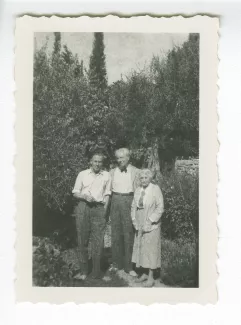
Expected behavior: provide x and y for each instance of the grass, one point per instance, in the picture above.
(179, 264)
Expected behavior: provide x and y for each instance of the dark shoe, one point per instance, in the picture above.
(143, 278)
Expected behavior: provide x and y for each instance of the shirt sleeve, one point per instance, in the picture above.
(78, 183)
(108, 186)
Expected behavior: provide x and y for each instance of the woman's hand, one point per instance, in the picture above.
(147, 225)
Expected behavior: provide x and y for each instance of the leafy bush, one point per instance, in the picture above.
(179, 263)
(72, 114)
(49, 268)
(181, 197)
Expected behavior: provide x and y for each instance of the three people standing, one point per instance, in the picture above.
(134, 216)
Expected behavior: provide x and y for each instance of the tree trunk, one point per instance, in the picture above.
(153, 162)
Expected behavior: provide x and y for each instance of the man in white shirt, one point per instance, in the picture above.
(92, 189)
(125, 179)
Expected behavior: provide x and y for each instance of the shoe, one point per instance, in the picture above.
(143, 278)
(113, 268)
(133, 273)
(80, 276)
(106, 278)
(121, 272)
(149, 284)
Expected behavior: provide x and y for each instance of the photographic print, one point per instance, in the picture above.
(115, 186)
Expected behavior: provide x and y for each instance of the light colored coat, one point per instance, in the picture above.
(134, 176)
(153, 208)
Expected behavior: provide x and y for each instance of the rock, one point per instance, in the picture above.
(190, 166)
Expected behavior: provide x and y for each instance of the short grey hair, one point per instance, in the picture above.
(124, 151)
(147, 172)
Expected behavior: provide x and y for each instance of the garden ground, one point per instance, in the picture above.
(55, 266)
(110, 279)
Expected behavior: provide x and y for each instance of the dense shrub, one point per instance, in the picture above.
(181, 196)
(157, 106)
(49, 268)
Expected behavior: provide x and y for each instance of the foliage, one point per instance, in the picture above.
(160, 104)
(97, 68)
(53, 267)
(181, 216)
(49, 268)
(179, 266)
(153, 111)
(69, 119)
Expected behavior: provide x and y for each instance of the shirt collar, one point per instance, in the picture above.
(91, 172)
(147, 188)
(128, 168)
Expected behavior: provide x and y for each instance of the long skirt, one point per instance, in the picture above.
(147, 248)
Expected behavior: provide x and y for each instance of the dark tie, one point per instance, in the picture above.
(141, 204)
(124, 170)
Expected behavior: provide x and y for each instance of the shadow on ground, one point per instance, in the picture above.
(110, 279)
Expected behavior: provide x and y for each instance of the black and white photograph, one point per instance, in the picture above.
(115, 159)
(116, 135)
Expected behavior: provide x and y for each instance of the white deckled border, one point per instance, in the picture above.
(208, 29)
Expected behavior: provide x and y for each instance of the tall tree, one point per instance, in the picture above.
(57, 43)
(82, 68)
(97, 66)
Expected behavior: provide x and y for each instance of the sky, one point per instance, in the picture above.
(124, 51)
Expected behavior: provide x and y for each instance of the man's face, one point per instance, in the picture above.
(96, 163)
(122, 160)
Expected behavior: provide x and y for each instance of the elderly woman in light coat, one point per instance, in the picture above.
(146, 211)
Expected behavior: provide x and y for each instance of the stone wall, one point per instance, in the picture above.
(190, 166)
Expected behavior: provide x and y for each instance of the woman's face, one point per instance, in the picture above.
(145, 180)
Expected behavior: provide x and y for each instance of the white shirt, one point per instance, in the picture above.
(96, 185)
(122, 182)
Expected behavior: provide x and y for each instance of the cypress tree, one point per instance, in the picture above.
(97, 65)
(57, 43)
(82, 68)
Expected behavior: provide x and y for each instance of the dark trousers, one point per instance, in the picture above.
(122, 232)
(90, 226)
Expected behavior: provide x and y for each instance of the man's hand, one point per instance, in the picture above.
(88, 198)
(85, 197)
(78, 196)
